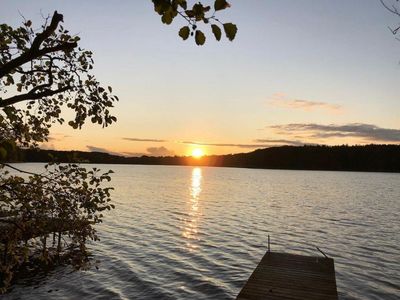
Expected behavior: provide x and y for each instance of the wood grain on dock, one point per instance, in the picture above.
(291, 276)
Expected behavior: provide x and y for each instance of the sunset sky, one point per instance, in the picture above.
(315, 72)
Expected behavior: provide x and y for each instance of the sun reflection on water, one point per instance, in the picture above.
(191, 224)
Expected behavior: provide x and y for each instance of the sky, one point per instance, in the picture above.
(298, 72)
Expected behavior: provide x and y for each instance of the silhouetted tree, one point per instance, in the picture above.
(40, 73)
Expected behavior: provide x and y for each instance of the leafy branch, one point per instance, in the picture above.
(198, 13)
(47, 70)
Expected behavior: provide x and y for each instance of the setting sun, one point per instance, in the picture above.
(197, 153)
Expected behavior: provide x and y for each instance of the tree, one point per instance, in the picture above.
(199, 13)
(48, 70)
(40, 73)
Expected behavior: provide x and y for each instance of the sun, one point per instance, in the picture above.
(197, 153)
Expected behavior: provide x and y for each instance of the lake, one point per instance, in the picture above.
(198, 233)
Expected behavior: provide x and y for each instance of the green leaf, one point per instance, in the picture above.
(160, 6)
(184, 32)
(230, 30)
(217, 32)
(182, 3)
(167, 18)
(220, 4)
(198, 10)
(73, 124)
(200, 38)
(189, 13)
(10, 79)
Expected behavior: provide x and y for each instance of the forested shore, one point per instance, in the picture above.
(369, 158)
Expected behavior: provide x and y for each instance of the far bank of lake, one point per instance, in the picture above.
(367, 158)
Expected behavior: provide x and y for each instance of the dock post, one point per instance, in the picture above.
(269, 249)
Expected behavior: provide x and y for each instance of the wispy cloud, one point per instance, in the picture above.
(58, 137)
(281, 142)
(48, 146)
(99, 149)
(260, 143)
(368, 132)
(281, 100)
(160, 151)
(224, 144)
(257, 144)
(133, 154)
(144, 140)
(151, 151)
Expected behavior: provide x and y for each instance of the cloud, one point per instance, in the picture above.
(225, 145)
(261, 143)
(281, 100)
(281, 142)
(144, 140)
(48, 146)
(368, 132)
(133, 154)
(58, 137)
(103, 150)
(97, 149)
(151, 151)
(239, 145)
(160, 151)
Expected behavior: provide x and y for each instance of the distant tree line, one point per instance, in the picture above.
(370, 158)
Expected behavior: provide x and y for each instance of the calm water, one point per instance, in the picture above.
(198, 233)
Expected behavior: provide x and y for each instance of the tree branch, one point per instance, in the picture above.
(57, 18)
(30, 55)
(32, 96)
(17, 169)
(392, 9)
(35, 51)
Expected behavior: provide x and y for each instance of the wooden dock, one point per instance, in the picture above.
(289, 276)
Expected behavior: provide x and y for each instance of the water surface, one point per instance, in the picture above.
(198, 233)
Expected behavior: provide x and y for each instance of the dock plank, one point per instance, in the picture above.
(291, 277)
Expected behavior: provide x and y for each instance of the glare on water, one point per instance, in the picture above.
(198, 233)
(190, 230)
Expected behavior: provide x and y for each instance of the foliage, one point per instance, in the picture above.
(40, 73)
(198, 13)
(65, 202)
(47, 70)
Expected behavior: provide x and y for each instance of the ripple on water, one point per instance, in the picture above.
(198, 233)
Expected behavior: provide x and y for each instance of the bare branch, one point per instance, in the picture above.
(57, 18)
(17, 169)
(392, 9)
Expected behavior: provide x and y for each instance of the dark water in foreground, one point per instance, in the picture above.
(198, 233)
